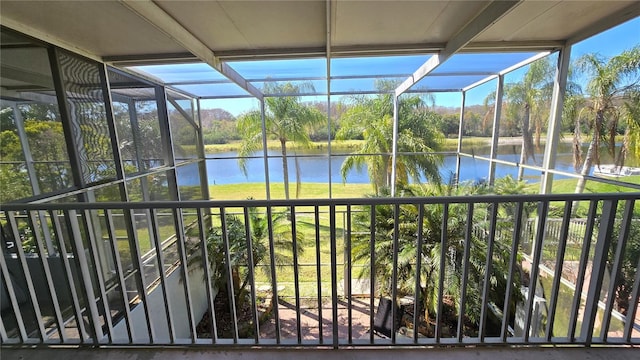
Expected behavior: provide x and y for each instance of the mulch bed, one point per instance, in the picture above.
(224, 320)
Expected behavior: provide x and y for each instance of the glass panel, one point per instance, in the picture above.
(503, 170)
(220, 127)
(285, 70)
(172, 73)
(188, 177)
(366, 85)
(444, 83)
(109, 193)
(214, 90)
(620, 103)
(88, 118)
(402, 66)
(487, 63)
(354, 180)
(158, 187)
(525, 114)
(27, 88)
(14, 181)
(478, 119)
(136, 118)
(181, 121)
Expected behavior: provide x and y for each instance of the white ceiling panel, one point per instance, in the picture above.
(242, 25)
(551, 20)
(103, 28)
(399, 22)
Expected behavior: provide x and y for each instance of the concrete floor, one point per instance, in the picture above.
(485, 353)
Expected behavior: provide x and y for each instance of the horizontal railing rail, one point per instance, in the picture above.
(462, 270)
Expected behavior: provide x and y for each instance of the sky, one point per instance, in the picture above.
(607, 44)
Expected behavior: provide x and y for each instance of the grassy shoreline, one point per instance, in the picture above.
(448, 144)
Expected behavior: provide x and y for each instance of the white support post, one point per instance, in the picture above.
(460, 131)
(265, 153)
(555, 119)
(394, 145)
(496, 129)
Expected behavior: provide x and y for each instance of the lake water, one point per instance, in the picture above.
(314, 167)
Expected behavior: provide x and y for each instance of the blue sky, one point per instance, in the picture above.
(607, 44)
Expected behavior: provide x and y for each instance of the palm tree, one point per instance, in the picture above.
(631, 116)
(611, 83)
(431, 251)
(286, 119)
(236, 236)
(372, 118)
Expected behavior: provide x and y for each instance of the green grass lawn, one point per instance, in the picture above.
(307, 191)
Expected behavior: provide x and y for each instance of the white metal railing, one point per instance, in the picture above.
(454, 269)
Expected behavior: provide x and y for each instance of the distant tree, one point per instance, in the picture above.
(450, 124)
(287, 119)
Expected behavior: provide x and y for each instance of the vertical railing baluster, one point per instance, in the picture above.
(230, 285)
(515, 243)
(82, 332)
(316, 214)
(155, 234)
(394, 273)
(138, 266)
(418, 300)
(630, 322)
(543, 207)
(296, 269)
(97, 263)
(598, 269)
(442, 270)
(206, 267)
(486, 287)
(113, 240)
(623, 236)
(10, 284)
(557, 275)
(465, 271)
(251, 279)
(274, 282)
(27, 275)
(44, 262)
(348, 280)
(4, 337)
(334, 274)
(181, 243)
(372, 270)
(582, 269)
(84, 274)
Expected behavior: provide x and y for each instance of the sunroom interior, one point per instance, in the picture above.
(117, 169)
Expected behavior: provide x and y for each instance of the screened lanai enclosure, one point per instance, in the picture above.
(314, 173)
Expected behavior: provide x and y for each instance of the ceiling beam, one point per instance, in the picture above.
(492, 13)
(25, 76)
(157, 17)
(336, 52)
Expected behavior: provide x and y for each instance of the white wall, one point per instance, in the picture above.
(175, 288)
